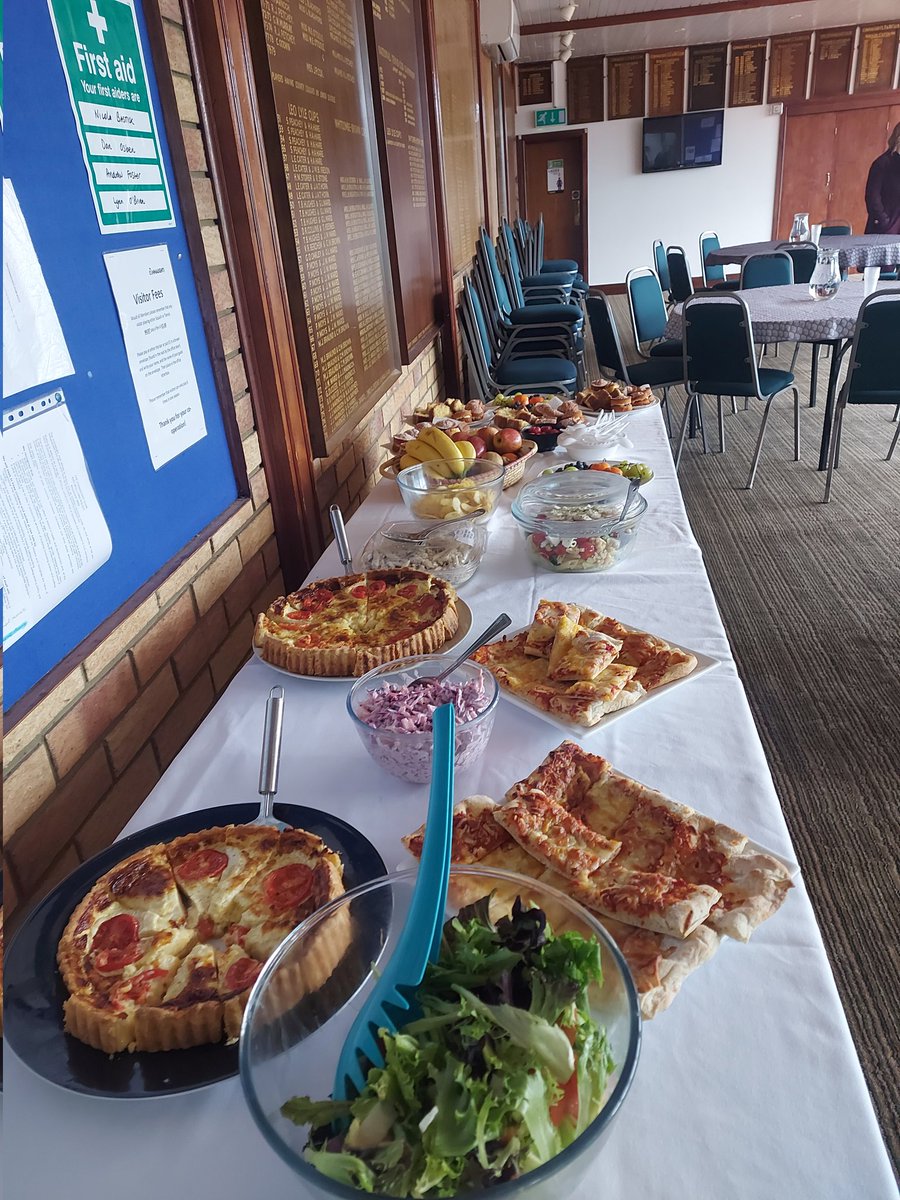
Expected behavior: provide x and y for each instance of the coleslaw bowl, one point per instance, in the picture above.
(292, 1034)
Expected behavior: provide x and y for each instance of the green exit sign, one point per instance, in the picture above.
(550, 116)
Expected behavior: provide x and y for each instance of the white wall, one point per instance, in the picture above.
(627, 210)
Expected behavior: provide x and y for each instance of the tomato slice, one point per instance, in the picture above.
(117, 933)
(137, 987)
(566, 1107)
(288, 886)
(111, 962)
(408, 590)
(359, 592)
(203, 864)
(241, 974)
(376, 587)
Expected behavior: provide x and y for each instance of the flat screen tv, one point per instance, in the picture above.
(682, 142)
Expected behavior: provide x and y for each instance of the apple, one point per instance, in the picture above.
(478, 445)
(488, 432)
(510, 458)
(507, 441)
(460, 435)
(491, 457)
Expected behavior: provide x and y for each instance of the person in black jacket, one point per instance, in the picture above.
(883, 189)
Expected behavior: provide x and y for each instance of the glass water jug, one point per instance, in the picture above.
(826, 278)
(800, 228)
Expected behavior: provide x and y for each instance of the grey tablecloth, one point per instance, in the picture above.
(789, 314)
(857, 250)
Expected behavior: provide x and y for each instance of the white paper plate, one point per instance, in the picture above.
(465, 624)
(704, 664)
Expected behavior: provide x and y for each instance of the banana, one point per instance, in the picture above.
(445, 448)
(421, 451)
(407, 460)
(467, 449)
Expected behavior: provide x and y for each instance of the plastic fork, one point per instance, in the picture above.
(392, 999)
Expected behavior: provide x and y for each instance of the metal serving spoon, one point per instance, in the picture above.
(340, 536)
(495, 626)
(633, 485)
(419, 535)
(270, 759)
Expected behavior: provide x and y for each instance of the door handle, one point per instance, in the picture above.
(828, 179)
(577, 217)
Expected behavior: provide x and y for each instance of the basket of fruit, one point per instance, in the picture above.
(503, 447)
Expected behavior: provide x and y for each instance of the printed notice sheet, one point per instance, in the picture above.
(34, 349)
(53, 535)
(159, 355)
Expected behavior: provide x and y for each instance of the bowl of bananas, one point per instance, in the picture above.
(440, 488)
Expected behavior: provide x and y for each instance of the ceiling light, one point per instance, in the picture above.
(567, 38)
(566, 54)
(567, 11)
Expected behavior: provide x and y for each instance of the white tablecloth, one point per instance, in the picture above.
(788, 313)
(854, 250)
(748, 1087)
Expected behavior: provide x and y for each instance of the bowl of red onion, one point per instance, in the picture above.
(393, 718)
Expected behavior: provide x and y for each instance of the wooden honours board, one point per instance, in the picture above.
(706, 77)
(831, 62)
(877, 55)
(584, 90)
(788, 66)
(666, 83)
(748, 72)
(535, 83)
(325, 156)
(397, 58)
(625, 81)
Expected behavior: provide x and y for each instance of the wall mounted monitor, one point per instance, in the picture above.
(682, 142)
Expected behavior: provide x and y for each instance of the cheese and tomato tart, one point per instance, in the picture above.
(162, 951)
(352, 623)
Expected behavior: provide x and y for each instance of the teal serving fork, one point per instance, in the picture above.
(392, 999)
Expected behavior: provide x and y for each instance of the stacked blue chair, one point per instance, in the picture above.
(561, 265)
(655, 372)
(873, 375)
(547, 286)
(714, 276)
(492, 373)
(648, 315)
(520, 331)
(720, 360)
(661, 262)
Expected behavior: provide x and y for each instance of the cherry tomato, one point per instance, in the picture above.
(117, 933)
(203, 864)
(241, 974)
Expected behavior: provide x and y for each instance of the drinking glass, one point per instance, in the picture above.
(826, 278)
(800, 228)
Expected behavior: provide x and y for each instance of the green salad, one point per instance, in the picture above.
(503, 1069)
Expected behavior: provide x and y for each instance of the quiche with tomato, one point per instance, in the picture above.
(163, 950)
(352, 623)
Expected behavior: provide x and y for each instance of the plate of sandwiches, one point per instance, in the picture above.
(667, 882)
(579, 669)
(130, 978)
(340, 628)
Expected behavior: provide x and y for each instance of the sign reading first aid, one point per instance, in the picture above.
(103, 62)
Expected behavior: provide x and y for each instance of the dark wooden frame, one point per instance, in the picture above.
(587, 62)
(825, 104)
(851, 29)
(658, 14)
(217, 38)
(562, 134)
(534, 66)
(659, 51)
(862, 33)
(159, 56)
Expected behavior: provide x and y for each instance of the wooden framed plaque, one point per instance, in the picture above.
(323, 164)
(397, 60)
(666, 83)
(831, 61)
(788, 66)
(748, 73)
(625, 80)
(535, 83)
(706, 77)
(584, 90)
(877, 57)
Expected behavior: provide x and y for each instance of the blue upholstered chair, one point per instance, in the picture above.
(837, 229)
(803, 256)
(873, 373)
(648, 315)
(713, 276)
(543, 288)
(720, 360)
(767, 270)
(681, 283)
(662, 270)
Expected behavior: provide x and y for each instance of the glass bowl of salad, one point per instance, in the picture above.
(521, 1048)
(393, 718)
(570, 521)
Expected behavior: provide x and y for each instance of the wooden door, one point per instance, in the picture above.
(808, 167)
(861, 136)
(555, 186)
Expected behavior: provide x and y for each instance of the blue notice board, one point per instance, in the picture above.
(151, 514)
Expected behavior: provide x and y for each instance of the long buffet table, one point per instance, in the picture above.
(748, 1086)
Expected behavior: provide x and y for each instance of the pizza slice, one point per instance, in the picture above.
(198, 862)
(542, 630)
(582, 705)
(647, 899)
(144, 884)
(659, 964)
(237, 973)
(554, 836)
(754, 886)
(249, 850)
(655, 660)
(580, 653)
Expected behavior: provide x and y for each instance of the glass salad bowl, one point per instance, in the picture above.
(431, 490)
(309, 992)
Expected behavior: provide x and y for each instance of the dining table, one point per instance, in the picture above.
(788, 313)
(857, 250)
(747, 1087)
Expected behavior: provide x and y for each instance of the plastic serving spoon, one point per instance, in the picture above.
(270, 759)
(391, 1000)
(495, 626)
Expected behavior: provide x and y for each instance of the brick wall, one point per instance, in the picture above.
(81, 762)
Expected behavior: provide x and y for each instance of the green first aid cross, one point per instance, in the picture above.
(103, 62)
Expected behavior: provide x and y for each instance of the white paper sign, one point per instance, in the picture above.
(53, 535)
(555, 174)
(158, 352)
(34, 349)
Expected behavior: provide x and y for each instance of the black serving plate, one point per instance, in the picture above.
(34, 992)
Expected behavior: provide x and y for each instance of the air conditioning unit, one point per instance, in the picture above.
(500, 30)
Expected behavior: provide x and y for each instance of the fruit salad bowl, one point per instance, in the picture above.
(435, 491)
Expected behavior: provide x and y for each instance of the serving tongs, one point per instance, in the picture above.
(392, 999)
(340, 536)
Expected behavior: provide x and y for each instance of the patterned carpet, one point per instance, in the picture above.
(810, 596)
